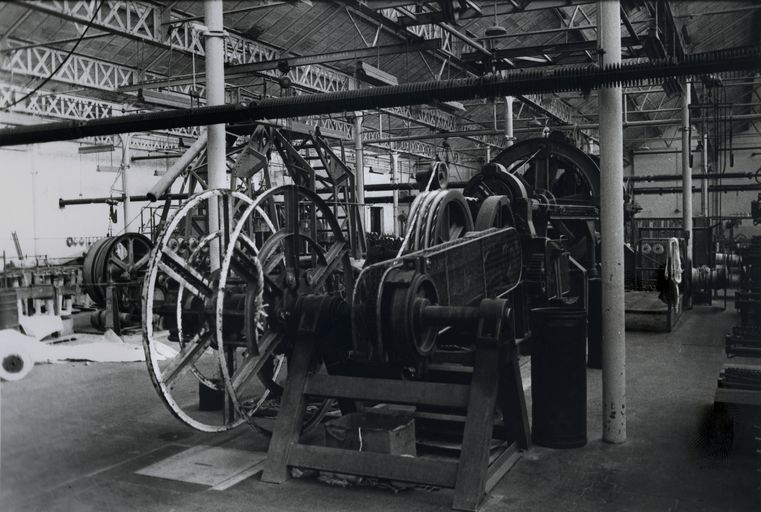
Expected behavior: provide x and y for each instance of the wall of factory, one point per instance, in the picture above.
(377, 171)
(670, 205)
(34, 177)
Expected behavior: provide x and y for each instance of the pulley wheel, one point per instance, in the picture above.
(410, 342)
(495, 212)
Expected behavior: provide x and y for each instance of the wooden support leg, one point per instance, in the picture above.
(289, 419)
(513, 404)
(474, 460)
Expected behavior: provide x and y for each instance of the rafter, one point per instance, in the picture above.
(142, 21)
(146, 22)
(245, 70)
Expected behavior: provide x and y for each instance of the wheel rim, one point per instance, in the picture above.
(279, 279)
(176, 379)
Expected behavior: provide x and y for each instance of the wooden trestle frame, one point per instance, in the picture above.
(495, 381)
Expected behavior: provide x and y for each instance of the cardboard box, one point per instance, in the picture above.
(373, 432)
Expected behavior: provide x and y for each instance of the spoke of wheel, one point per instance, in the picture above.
(142, 261)
(244, 264)
(116, 260)
(187, 357)
(272, 263)
(332, 261)
(181, 271)
(227, 208)
(253, 364)
(130, 251)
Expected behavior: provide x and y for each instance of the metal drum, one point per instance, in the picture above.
(559, 378)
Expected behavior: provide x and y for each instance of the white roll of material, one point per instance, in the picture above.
(15, 360)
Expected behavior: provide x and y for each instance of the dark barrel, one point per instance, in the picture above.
(210, 399)
(594, 334)
(559, 378)
(8, 309)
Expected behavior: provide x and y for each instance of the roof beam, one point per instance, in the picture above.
(80, 70)
(536, 5)
(551, 106)
(509, 53)
(555, 108)
(245, 70)
(408, 19)
(387, 22)
(260, 4)
(65, 106)
(141, 21)
(559, 114)
(57, 41)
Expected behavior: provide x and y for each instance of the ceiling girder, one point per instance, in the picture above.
(142, 21)
(509, 53)
(245, 70)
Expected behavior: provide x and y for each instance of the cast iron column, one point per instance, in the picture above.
(215, 95)
(704, 185)
(359, 164)
(612, 230)
(395, 193)
(124, 168)
(686, 170)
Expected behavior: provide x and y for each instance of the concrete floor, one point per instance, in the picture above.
(73, 436)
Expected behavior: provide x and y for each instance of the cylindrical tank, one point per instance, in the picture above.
(594, 329)
(559, 378)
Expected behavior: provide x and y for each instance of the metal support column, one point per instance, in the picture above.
(686, 170)
(395, 180)
(704, 186)
(612, 230)
(509, 134)
(215, 95)
(124, 168)
(359, 165)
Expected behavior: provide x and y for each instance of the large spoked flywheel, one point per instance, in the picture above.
(553, 176)
(554, 167)
(306, 255)
(180, 333)
(120, 261)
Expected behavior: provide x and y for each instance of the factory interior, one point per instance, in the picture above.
(430, 255)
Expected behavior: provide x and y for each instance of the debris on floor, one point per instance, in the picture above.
(40, 326)
(24, 351)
